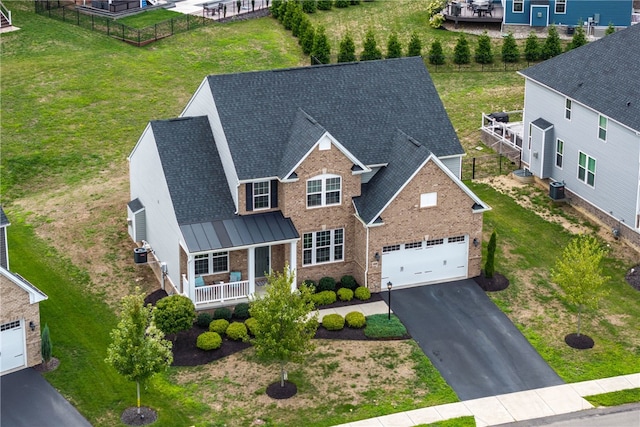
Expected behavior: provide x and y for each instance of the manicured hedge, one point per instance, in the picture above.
(324, 298)
(209, 341)
(220, 326)
(345, 294)
(362, 293)
(355, 319)
(333, 322)
(237, 331)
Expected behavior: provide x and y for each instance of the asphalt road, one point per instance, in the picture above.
(476, 348)
(617, 416)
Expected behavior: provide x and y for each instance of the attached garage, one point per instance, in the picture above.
(12, 346)
(425, 262)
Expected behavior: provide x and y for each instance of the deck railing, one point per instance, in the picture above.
(509, 133)
(222, 292)
(6, 12)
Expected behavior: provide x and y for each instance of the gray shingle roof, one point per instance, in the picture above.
(405, 156)
(604, 75)
(135, 205)
(361, 104)
(193, 170)
(305, 131)
(4, 221)
(541, 123)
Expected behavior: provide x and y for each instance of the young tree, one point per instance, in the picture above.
(45, 345)
(579, 274)
(174, 313)
(347, 49)
(370, 49)
(306, 39)
(610, 29)
(510, 51)
(579, 38)
(415, 45)
(303, 25)
(484, 55)
(532, 48)
(321, 52)
(461, 53)
(551, 46)
(277, 9)
(309, 6)
(489, 266)
(138, 349)
(394, 48)
(325, 4)
(342, 3)
(436, 55)
(285, 323)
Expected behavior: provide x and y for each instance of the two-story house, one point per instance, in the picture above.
(346, 169)
(582, 127)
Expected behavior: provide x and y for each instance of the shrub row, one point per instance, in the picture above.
(344, 294)
(335, 322)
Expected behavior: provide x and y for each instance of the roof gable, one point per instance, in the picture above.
(603, 75)
(35, 294)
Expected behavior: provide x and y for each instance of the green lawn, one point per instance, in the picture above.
(148, 18)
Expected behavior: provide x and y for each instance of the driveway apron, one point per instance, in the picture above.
(28, 400)
(473, 344)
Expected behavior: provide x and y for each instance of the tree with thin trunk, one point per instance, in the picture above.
(579, 274)
(551, 46)
(138, 349)
(436, 54)
(579, 38)
(321, 52)
(484, 54)
(285, 323)
(532, 48)
(415, 45)
(370, 50)
(461, 52)
(510, 51)
(394, 48)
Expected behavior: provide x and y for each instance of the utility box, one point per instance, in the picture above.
(556, 190)
(140, 255)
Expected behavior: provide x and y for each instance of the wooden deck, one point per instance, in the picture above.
(467, 14)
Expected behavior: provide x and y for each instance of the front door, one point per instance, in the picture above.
(262, 265)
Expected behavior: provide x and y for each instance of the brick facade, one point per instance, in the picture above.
(15, 306)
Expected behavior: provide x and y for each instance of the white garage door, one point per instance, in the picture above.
(431, 261)
(12, 344)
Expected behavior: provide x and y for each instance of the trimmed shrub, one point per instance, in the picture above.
(309, 6)
(326, 284)
(219, 326)
(174, 313)
(345, 294)
(532, 48)
(324, 4)
(222, 313)
(324, 298)
(252, 325)
(348, 281)
(241, 311)
(415, 45)
(462, 52)
(484, 54)
(321, 51)
(370, 50)
(510, 50)
(46, 348)
(379, 326)
(204, 319)
(312, 284)
(355, 319)
(436, 54)
(209, 341)
(362, 293)
(237, 331)
(333, 322)
(342, 3)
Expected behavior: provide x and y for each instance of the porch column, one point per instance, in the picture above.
(191, 288)
(292, 263)
(251, 269)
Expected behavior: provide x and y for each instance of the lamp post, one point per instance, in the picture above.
(389, 286)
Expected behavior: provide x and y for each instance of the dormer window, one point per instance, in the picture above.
(324, 190)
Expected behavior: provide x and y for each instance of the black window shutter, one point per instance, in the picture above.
(274, 193)
(249, 189)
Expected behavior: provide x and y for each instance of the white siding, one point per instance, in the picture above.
(454, 164)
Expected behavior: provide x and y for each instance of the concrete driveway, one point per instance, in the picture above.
(476, 348)
(28, 400)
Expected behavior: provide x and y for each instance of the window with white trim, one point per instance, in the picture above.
(324, 190)
(567, 109)
(602, 127)
(586, 169)
(455, 239)
(529, 136)
(559, 152)
(561, 6)
(261, 195)
(324, 246)
(216, 262)
(390, 248)
(518, 6)
(11, 325)
(413, 245)
(428, 200)
(434, 242)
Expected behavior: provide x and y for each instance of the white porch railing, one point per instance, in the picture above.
(509, 133)
(222, 292)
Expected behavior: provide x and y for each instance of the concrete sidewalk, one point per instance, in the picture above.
(506, 408)
(368, 308)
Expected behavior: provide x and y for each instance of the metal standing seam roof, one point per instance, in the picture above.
(246, 230)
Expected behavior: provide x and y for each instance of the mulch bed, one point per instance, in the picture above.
(131, 417)
(48, 367)
(497, 283)
(580, 342)
(275, 391)
(633, 277)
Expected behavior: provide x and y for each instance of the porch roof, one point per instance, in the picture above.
(245, 230)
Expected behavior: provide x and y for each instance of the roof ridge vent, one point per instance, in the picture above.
(414, 142)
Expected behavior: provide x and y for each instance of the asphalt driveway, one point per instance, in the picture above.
(28, 400)
(473, 344)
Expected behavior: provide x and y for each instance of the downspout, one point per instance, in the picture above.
(366, 269)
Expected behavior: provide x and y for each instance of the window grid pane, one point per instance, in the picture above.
(323, 246)
(201, 264)
(220, 262)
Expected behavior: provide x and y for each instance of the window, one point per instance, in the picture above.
(518, 6)
(261, 195)
(529, 136)
(561, 6)
(559, 152)
(324, 191)
(586, 169)
(11, 325)
(390, 248)
(455, 239)
(435, 242)
(567, 109)
(413, 245)
(323, 246)
(602, 128)
(428, 200)
(217, 262)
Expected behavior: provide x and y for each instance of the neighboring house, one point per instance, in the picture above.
(582, 127)
(346, 169)
(541, 13)
(20, 314)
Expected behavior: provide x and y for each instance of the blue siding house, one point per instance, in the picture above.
(582, 128)
(541, 13)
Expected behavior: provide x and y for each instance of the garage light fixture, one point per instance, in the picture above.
(476, 243)
(377, 256)
(32, 325)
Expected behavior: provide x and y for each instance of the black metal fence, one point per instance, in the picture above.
(68, 12)
(489, 165)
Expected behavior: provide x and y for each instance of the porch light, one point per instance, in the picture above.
(32, 325)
